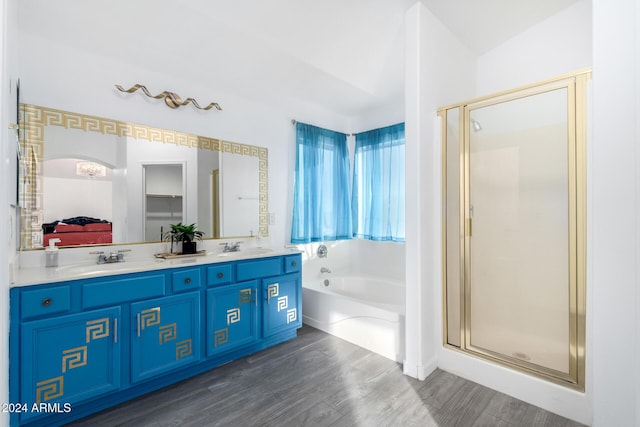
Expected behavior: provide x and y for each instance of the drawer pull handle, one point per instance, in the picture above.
(46, 302)
(187, 280)
(294, 263)
(220, 275)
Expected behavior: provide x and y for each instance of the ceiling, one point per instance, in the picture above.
(344, 55)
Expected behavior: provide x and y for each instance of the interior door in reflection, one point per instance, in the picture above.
(163, 199)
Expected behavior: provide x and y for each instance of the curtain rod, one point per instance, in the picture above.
(294, 121)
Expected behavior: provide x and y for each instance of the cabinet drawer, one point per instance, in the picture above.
(122, 290)
(185, 280)
(292, 263)
(262, 268)
(219, 274)
(42, 302)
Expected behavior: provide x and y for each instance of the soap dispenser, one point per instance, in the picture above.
(51, 254)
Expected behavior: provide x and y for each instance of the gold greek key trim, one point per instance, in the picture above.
(221, 336)
(97, 329)
(184, 348)
(283, 303)
(31, 139)
(167, 333)
(292, 315)
(149, 317)
(233, 316)
(244, 296)
(49, 389)
(74, 358)
(273, 290)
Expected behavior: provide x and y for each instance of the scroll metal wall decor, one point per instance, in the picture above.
(172, 100)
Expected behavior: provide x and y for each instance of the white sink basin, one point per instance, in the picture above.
(84, 269)
(246, 253)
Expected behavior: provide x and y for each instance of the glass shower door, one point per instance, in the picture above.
(520, 239)
(514, 228)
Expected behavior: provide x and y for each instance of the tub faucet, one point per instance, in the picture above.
(324, 270)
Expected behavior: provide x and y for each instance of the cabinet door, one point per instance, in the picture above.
(70, 358)
(282, 304)
(165, 336)
(232, 318)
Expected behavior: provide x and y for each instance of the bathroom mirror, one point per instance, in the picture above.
(119, 182)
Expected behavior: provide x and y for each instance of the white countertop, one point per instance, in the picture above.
(83, 270)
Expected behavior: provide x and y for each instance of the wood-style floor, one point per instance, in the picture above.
(320, 380)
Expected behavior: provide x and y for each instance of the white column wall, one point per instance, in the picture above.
(614, 213)
(439, 71)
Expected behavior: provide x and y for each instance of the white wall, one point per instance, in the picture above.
(555, 46)
(62, 201)
(78, 144)
(356, 257)
(615, 219)
(239, 196)
(439, 71)
(560, 44)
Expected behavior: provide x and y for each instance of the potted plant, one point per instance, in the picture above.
(187, 234)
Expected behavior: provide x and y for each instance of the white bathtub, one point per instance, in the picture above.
(366, 311)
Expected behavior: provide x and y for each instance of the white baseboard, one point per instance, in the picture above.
(420, 372)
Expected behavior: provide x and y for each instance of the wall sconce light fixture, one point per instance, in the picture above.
(172, 100)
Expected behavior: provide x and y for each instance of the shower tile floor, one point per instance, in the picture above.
(320, 380)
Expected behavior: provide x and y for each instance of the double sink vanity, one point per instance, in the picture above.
(85, 337)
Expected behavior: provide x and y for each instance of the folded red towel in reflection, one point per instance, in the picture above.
(68, 228)
(98, 226)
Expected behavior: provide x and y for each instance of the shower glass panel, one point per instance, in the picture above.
(452, 205)
(519, 254)
(514, 235)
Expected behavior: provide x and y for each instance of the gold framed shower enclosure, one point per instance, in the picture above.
(514, 228)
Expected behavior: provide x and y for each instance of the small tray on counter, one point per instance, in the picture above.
(168, 255)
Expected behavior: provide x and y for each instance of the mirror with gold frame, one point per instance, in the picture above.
(92, 181)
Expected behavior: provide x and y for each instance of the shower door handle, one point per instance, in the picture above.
(469, 227)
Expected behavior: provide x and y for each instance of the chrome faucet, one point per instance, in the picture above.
(231, 247)
(113, 257)
(324, 270)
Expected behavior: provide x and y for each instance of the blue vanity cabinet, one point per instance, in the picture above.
(95, 342)
(232, 316)
(165, 335)
(70, 358)
(282, 304)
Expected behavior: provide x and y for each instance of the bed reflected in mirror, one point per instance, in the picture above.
(77, 220)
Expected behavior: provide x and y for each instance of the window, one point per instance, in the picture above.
(321, 209)
(378, 184)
